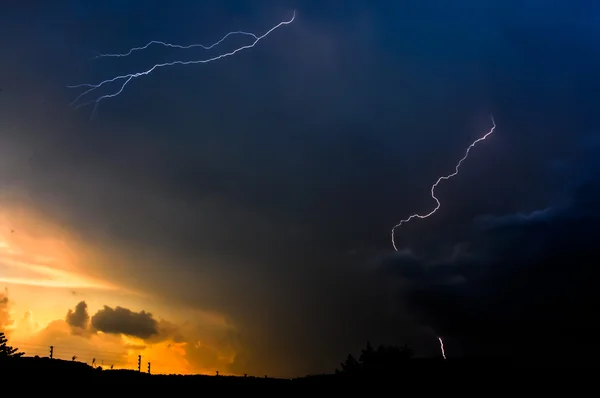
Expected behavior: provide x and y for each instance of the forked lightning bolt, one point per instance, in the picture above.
(434, 186)
(125, 79)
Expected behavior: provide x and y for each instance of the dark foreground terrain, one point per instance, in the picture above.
(427, 375)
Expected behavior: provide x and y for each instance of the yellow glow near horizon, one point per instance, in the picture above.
(32, 252)
(47, 272)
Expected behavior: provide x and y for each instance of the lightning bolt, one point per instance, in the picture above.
(125, 79)
(164, 44)
(434, 186)
(442, 347)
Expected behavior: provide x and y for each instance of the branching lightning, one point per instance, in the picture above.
(125, 79)
(434, 186)
(162, 43)
(442, 347)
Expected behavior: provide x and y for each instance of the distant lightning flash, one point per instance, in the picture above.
(442, 347)
(434, 186)
(125, 79)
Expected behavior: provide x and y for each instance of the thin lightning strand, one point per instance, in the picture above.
(162, 43)
(442, 347)
(434, 186)
(129, 77)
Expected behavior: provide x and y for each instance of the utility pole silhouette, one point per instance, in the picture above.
(51, 351)
(139, 363)
(148, 367)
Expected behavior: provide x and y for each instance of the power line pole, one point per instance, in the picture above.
(139, 363)
(148, 367)
(51, 351)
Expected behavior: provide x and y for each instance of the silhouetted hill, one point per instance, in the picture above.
(428, 374)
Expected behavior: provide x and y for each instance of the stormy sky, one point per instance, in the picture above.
(263, 186)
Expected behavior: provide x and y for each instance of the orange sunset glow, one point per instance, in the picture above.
(53, 299)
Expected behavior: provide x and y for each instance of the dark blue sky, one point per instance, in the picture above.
(270, 180)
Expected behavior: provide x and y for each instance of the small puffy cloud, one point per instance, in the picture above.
(27, 325)
(121, 320)
(79, 318)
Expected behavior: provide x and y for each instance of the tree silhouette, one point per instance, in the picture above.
(351, 365)
(384, 359)
(7, 351)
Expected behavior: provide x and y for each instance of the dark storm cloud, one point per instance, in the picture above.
(523, 283)
(242, 186)
(79, 318)
(121, 320)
